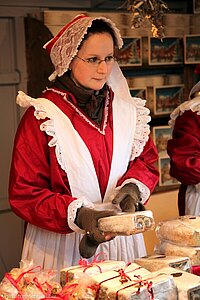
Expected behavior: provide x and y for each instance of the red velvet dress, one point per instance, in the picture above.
(40, 191)
(184, 151)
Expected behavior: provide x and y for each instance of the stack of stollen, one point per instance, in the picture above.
(180, 237)
(130, 282)
(134, 281)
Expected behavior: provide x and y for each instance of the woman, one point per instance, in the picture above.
(184, 152)
(82, 151)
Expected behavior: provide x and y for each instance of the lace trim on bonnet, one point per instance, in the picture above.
(66, 47)
(193, 105)
(141, 133)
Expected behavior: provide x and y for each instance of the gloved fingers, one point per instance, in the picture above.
(87, 247)
(119, 197)
(104, 213)
(139, 206)
(96, 236)
(128, 204)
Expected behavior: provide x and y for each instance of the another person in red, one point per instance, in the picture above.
(82, 151)
(184, 152)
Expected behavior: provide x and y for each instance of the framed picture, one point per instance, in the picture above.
(131, 52)
(167, 51)
(192, 49)
(166, 98)
(139, 93)
(164, 168)
(161, 135)
(196, 6)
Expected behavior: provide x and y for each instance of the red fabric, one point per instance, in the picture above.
(60, 33)
(39, 191)
(196, 270)
(184, 148)
(184, 151)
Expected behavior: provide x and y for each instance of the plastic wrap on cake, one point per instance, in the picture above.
(128, 223)
(170, 249)
(188, 284)
(141, 286)
(159, 261)
(95, 267)
(183, 231)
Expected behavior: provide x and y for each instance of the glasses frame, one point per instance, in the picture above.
(98, 61)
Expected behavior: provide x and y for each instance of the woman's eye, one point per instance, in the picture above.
(92, 59)
(109, 58)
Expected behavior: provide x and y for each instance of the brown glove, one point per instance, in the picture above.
(87, 219)
(128, 198)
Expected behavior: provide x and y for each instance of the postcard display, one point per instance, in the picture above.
(160, 71)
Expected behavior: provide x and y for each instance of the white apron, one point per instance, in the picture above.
(192, 200)
(53, 250)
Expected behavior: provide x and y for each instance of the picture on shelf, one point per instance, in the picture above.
(131, 52)
(192, 49)
(196, 6)
(167, 51)
(139, 93)
(166, 98)
(164, 167)
(161, 135)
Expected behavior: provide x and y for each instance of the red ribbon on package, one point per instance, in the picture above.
(146, 283)
(16, 281)
(196, 270)
(123, 276)
(84, 263)
(139, 282)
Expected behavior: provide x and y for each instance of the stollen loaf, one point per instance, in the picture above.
(188, 284)
(159, 261)
(70, 273)
(127, 223)
(170, 249)
(140, 285)
(183, 231)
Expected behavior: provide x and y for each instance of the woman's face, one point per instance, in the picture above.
(88, 74)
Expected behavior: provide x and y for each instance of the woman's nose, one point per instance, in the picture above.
(102, 67)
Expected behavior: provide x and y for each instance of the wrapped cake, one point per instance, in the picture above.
(170, 249)
(29, 282)
(188, 284)
(111, 281)
(127, 223)
(159, 261)
(183, 231)
(135, 284)
(95, 267)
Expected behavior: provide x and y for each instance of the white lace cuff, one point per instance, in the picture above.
(72, 210)
(144, 190)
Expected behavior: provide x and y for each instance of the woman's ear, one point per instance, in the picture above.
(70, 65)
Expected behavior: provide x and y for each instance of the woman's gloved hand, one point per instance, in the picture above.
(87, 219)
(128, 198)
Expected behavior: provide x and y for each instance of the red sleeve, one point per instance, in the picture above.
(184, 149)
(38, 188)
(143, 167)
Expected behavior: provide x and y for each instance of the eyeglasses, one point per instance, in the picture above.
(95, 61)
